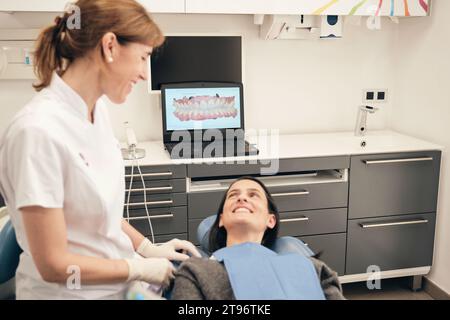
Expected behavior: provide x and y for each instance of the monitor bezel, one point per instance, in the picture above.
(181, 85)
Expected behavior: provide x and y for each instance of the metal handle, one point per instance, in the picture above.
(138, 204)
(389, 224)
(397, 160)
(295, 219)
(152, 189)
(158, 216)
(155, 174)
(300, 193)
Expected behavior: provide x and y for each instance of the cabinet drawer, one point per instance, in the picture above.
(291, 198)
(168, 237)
(156, 186)
(204, 204)
(192, 230)
(155, 200)
(332, 247)
(390, 242)
(280, 166)
(302, 223)
(157, 172)
(393, 184)
(164, 221)
(310, 196)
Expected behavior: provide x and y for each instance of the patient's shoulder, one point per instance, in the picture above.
(202, 267)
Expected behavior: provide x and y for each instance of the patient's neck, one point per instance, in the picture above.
(234, 238)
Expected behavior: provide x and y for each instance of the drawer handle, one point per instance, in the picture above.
(295, 219)
(285, 194)
(158, 216)
(397, 160)
(389, 224)
(138, 204)
(152, 189)
(155, 174)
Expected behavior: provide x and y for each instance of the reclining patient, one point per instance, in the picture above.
(242, 266)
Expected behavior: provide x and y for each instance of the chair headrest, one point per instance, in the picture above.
(282, 245)
(9, 253)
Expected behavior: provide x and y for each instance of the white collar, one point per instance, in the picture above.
(70, 96)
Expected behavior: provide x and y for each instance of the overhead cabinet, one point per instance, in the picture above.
(156, 6)
(399, 8)
(308, 7)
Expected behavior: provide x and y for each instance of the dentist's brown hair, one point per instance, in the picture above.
(59, 45)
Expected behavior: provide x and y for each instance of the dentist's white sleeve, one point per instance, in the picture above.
(36, 169)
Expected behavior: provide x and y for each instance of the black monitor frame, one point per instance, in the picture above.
(167, 134)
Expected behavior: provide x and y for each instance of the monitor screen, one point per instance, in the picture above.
(200, 108)
(197, 58)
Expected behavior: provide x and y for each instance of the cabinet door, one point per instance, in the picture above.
(393, 184)
(317, 7)
(157, 6)
(332, 248)
(390, 242)
(163, 220)
(163, 6)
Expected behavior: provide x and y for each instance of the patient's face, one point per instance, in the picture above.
(246, 208)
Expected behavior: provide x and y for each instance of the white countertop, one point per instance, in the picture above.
(302, 146)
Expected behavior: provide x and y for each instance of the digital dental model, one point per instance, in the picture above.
(204, 107)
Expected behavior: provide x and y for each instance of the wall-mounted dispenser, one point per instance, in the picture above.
(331, 27)
(16, 50)
(280, 27)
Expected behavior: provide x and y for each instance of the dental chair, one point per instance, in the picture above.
(282, 245)
(9, 260)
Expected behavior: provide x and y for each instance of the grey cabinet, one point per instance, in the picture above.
(310, 222)
(163, 193)
(392, 184)
(392, 205)
(393, 242)
(331, 248)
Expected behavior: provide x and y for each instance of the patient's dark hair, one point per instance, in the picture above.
(218, 235)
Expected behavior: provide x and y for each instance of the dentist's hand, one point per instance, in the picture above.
(159, 271)
(168, 250)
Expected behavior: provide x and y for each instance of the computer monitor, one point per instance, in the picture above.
(196, 59)
(196, 106)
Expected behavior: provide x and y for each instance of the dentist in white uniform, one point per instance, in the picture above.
(61, 171)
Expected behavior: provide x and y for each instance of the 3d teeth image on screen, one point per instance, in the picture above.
(206, 108)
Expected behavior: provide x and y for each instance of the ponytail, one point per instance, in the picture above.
(47, 58)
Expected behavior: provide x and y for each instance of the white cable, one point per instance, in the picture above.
(145, 202)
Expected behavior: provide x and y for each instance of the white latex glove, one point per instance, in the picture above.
(159, 271)
(168, 250)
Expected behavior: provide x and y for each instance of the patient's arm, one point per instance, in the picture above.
(329, 281)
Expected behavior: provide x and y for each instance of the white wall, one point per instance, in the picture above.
(295, 86)
(422, 108)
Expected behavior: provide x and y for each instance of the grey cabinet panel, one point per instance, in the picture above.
(301, 223)
(156, 186)
(284, 166)
(382, 185)
(158, 172)
(164, 221)
(332, 247)
(156, 200)
(310, 196)
(168, 237)
(192, 230)
(292, 198)
(204, 204)
(390, 242)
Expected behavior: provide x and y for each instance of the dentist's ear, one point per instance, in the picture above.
(109, 44)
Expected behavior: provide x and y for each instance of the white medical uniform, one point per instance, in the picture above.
(52, 156)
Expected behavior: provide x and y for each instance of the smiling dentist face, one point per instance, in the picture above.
(126, 65)
(246, 210)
